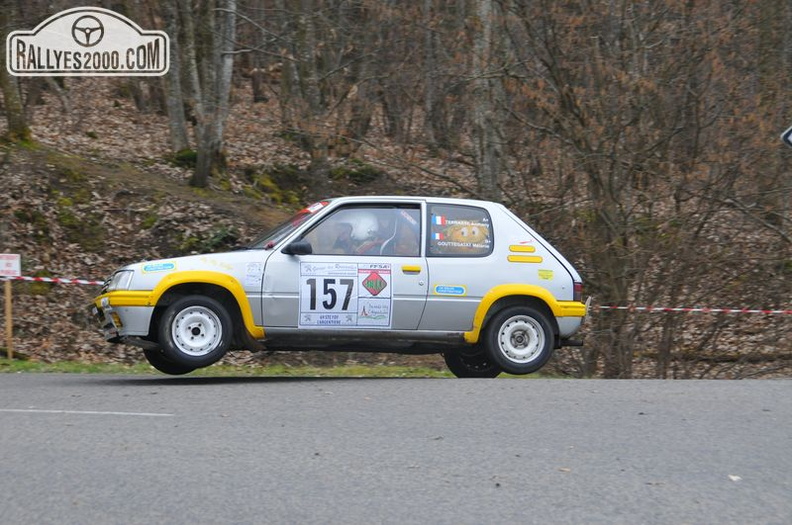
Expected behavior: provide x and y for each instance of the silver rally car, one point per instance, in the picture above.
(416, 275)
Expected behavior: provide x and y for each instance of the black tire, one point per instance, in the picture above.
(157, 359)
(471, 362)
(519, 339)
(195, 331)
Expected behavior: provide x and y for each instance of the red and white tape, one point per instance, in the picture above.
(647, 309)
(653, 309)
(54, 280)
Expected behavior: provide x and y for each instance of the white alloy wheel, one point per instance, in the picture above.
(196, 330)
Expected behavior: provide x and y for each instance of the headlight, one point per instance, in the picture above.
(120, 280)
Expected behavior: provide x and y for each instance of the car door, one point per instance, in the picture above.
(459, 255)
(366, 272)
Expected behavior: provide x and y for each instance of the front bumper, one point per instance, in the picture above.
(123, 314)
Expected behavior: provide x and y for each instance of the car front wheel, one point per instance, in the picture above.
(520, 339)
(195, 331)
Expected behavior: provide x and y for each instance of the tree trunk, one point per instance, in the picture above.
(313, 111)
(18, 129)
(177, 122)
(430, 72)
(219, 24)
(486, 124)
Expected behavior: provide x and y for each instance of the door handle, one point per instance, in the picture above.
(411, 268)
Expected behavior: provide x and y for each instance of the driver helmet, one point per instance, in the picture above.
(364, 226)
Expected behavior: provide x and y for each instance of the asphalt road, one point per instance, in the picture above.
(121, 449)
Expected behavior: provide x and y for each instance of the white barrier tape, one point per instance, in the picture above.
(53, 280)
(647, 309)
(653, 309)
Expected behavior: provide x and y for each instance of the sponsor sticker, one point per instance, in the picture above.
(159, 267)
(450, 289)
(345, 295)
(254, 273)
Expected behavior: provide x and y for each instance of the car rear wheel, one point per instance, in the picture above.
(520, 339)
(471, 362)
(195, 331)
(157, 359)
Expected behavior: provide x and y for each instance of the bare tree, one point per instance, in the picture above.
(487, 101)
(206, 38)
(177, 121)
(18, 129)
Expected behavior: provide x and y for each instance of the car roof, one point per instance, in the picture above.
(410, 198)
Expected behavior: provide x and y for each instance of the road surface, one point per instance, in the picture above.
(156, 449)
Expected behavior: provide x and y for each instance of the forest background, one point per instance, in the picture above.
(640, 137)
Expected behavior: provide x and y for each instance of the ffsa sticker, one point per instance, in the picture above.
(345, 295)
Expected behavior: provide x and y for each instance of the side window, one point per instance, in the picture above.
(366, 230)
(459, 231)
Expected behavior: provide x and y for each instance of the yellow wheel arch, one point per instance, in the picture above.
(503, 291)
(229, 283)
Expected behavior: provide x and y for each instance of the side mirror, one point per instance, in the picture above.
(298, 248)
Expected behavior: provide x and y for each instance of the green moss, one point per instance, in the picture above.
(186, 158)
(266, 184)
(67, 219)
(302, 139)
(28, 144)
(251, 192)
(65, 202)
(40, 288)
(219, 238)
(83, 229)
(31, 216)
(38, 220)
(224, 183)
(91, 234)
(73, 174)
(276, 182)
(357, 172)
(149, 221)
(287, 171)
(82, 196)
(292, 199)
(22, 137)
(201, 192)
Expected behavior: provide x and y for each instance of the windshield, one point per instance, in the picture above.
(283, 230)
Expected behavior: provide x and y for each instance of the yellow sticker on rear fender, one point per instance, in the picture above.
(547, 275)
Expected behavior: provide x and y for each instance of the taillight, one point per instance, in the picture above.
(577, 292)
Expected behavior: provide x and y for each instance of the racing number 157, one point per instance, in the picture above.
(330, 294)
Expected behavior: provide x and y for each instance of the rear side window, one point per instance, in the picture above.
(459, 231)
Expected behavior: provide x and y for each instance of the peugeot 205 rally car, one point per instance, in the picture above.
(464, 278)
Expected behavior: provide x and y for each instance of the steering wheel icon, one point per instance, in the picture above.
(87, 31)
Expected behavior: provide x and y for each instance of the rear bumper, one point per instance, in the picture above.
(571, 309)
(569, 326)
